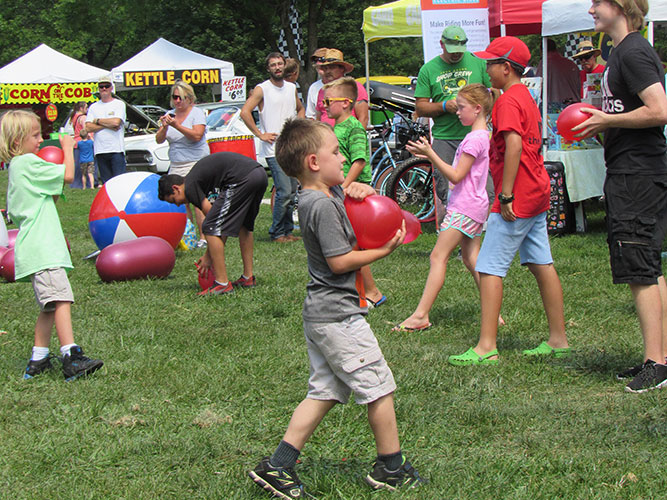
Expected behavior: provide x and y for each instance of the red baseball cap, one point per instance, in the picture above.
(509, 48)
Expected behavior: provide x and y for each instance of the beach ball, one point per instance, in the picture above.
(127, 207)
(375, 219)
(569, 118)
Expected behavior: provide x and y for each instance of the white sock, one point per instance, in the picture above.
(64, 350)
(222, 284)
(39, 353)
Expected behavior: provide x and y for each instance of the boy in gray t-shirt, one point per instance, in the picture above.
(344, 354)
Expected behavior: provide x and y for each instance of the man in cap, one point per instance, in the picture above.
(314, 89)
(587, 57)
(438, 84)
(333, 67)
(106, 118)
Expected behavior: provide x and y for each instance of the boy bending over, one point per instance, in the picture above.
(344, 354)
(238, 182)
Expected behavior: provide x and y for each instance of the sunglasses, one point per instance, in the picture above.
(176, 97)
(328, 100)
(325, 59)
(104, 85)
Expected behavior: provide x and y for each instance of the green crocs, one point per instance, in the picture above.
(545, 349)
(470, 357)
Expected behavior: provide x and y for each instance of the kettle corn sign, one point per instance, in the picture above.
(43, 93)
(139, 79)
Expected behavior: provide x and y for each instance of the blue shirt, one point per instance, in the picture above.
(86, 151)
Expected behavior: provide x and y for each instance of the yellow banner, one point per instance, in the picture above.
(43, 93)
(136, 79)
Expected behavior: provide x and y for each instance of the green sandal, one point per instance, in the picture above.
(470, 357)
(545, 349)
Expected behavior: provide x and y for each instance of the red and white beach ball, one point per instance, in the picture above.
(127, 207)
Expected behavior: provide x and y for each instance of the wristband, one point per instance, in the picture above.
(444, 106)
(504, 200)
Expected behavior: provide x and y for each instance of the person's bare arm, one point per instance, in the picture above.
(425, 107)
(255, 100)
(513, 148)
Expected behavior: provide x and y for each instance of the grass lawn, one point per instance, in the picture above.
(194, 391)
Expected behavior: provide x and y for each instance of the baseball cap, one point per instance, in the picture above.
(454, 38)
(508, 48)
(105, 79)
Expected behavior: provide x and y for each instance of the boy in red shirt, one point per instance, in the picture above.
(518, 217)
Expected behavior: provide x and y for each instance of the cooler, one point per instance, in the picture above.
(560, 216)
(242, 144)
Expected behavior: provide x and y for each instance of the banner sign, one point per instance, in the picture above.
(142, 79)
(51, 112)
(43, 93)
(472, 16)
(233, 89)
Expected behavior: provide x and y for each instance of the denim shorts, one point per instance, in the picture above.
(50, 286)
(503, 239)
(345, 357)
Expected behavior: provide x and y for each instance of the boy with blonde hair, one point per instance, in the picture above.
(344, 354)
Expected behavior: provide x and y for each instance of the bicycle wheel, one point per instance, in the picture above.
(385, 168)
(411, 186)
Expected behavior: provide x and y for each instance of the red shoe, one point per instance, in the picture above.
(216, 289)
(244, 282)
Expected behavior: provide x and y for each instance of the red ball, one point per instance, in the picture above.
(375, 220)
(569, 118)
(51, 153)
(148, 256)
(413, 227)
(11, 235)
(206, 283)
(7, 265)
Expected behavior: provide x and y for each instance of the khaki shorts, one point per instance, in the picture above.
(181, 168)
(345, 357)
(50, 286)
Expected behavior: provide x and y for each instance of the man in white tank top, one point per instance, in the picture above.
(277, 101)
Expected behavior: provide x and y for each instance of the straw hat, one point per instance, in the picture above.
(334, 56)
(585, 49)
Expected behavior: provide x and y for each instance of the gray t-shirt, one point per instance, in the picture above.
(327, 232)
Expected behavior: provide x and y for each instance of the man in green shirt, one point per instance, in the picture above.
(438, 84)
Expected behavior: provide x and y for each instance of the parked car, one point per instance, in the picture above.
(223, 119)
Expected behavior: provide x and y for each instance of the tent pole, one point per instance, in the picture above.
(544, 96)
(650, 32)
(368, 81)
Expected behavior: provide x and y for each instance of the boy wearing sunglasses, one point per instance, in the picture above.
(106, 118)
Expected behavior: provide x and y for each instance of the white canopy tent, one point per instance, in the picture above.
(163, 55)
(46, 65)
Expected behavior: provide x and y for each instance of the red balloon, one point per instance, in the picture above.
(375, 220)
(148, 256)
(3, 251)
(11, 235)
(206, 283)
(51, 153)
(569, 118)
(7, 265)
(413, 227)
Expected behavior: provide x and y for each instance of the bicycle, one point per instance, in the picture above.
(385, 158)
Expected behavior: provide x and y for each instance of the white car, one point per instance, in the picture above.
(223, 119)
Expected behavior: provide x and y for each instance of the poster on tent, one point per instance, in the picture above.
(471, 15)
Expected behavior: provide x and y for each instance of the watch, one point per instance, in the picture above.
(504, 200)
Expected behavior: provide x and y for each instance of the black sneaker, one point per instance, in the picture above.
(281, 482)
(76, 365)
(652, 376)
(405, 477)
(34, 368)
(630, 372)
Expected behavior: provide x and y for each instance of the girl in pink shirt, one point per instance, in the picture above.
(468, 205)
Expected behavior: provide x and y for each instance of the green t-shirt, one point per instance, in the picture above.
(40, 243)
(353, 144)
(440, 81)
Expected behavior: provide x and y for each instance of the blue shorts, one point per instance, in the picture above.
(503, 239)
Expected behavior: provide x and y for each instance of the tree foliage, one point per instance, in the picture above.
(242, 31)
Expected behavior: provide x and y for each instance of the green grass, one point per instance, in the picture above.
(194, 391)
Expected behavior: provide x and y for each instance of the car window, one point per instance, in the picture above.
(220, 117)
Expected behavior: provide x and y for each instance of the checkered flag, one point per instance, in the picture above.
(573, 40)
(295, 28)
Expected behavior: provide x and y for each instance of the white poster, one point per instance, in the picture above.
(233, 89)
(475, 22)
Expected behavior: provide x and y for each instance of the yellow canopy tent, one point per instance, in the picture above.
(399, 19)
